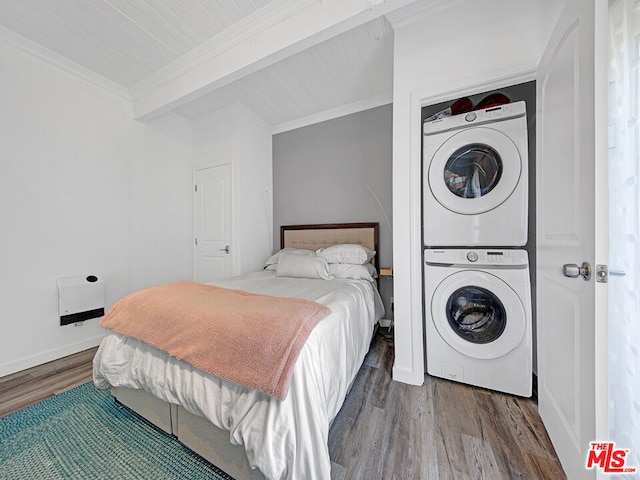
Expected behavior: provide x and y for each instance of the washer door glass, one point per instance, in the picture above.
(474, 171)
(476, 314)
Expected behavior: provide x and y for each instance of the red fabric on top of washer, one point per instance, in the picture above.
(462, 105)
(492, 100)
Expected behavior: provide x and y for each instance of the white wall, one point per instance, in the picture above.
(83, 189)
(465, 48)
(235, 135)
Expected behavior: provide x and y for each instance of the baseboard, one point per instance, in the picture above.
(407, 376)
(44, 357)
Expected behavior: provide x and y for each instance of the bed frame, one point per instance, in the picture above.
(315, 236)
(196, 432)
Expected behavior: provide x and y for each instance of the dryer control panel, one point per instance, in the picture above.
(478, 117)
(477, 257)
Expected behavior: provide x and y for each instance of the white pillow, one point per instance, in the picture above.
(356, 272)
(301, 266)
(275, 258)
(346, 253)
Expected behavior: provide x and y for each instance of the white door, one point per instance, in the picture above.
(212, 223)
(571, 186)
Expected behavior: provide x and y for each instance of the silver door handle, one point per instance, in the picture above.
(225, 249)
(572, 270)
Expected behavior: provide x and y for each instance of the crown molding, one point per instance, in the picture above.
(25, 45)
(176, 119)
(332, 113)
(419, 10)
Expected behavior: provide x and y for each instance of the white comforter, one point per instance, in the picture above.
(284, 439)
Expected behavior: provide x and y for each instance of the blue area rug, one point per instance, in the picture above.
(84, 434)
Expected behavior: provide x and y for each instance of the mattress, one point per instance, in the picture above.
(285, 439)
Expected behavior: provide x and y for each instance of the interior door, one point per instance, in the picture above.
(571, 186)
(212, 223)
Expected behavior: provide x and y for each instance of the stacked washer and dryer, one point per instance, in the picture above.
(478, 324)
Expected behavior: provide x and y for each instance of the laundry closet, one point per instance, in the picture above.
(467, 48)
(476, 181)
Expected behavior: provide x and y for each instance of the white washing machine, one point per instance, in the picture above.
(478, 318)
(475, 178)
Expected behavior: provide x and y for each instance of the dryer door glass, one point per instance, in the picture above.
(473, 170)
(476, 314)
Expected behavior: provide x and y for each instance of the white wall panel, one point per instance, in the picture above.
(84, 189)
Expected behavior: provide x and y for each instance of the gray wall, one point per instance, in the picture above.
(322, 174)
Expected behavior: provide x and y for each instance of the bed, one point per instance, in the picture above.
(245, 432)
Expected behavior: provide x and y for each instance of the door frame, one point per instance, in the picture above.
(601, 69)
(413, 337)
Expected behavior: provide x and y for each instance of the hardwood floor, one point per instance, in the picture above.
(386, 429)
(440, 430)
(30, 386)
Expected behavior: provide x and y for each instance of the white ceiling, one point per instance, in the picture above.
(351, 68)
(123, 40)
(125, 43)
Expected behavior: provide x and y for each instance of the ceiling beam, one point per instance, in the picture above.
(277, 31)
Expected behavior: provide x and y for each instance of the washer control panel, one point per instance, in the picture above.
(476, 257)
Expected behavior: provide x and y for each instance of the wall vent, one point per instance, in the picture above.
(80, 298)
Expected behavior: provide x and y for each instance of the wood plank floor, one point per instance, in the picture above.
(386, 429)
(30, 386)
(440, 430)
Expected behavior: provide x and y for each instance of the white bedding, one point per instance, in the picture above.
(284, 439)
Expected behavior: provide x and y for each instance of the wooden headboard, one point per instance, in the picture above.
(315, 236)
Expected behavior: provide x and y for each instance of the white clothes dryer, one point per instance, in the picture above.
(478, 318)
(475, 178)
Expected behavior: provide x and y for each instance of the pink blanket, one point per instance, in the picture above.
(250, 339)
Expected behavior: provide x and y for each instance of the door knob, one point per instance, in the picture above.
(225, 249)
(572, 270)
